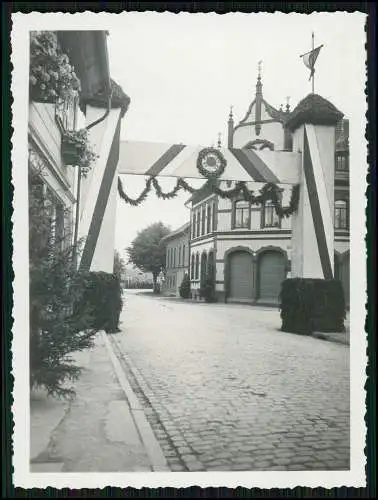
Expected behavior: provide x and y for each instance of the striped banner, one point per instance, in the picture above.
(319, 203)
(179, 160)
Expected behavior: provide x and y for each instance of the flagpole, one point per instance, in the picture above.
(313, 70)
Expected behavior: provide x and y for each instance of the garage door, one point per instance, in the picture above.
(241, 277)
(271, 274)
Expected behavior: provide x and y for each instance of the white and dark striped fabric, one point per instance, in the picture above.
(179, 160)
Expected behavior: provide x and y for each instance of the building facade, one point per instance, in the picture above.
(251, 245)
(176, 259)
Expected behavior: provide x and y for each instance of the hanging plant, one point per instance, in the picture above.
(77, 150)
(51, 76)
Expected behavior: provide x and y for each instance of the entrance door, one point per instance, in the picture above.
(241, 280)
(271, 274)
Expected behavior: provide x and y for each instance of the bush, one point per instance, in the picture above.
(185, 287)
(103, 297)
(309, 305)
(58, 327)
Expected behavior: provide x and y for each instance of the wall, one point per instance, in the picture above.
(176, 267)
(272, 132)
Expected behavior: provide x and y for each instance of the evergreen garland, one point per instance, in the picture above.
(269, 191)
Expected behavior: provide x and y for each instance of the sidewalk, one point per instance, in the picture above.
(98, 430)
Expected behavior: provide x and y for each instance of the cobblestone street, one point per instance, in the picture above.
(224, 389)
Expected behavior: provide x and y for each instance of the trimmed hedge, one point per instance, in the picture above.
(309, 305)
(103, 294)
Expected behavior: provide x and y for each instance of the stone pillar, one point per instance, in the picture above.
(313, 124)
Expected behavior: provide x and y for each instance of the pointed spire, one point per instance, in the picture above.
(231, 116)
(219, 140)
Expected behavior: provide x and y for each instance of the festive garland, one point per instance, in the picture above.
(209, 159)
(269, 192)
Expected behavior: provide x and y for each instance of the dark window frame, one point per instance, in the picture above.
(244, 209)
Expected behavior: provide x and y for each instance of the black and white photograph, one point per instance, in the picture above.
(189, 249)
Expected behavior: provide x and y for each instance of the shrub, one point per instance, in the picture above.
(309, 305)
(103, 297)
(57, 326)
(185, 287)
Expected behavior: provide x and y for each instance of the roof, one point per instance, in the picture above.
(178, 232)
(313, 109)
(100, 99)
(88, 54)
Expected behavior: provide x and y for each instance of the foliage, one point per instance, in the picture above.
(51, 76)
(57, 327)
(309, 305)
(147, 252)
(211, 163)
(77, 149)
(119, 266)
(208, 288)
(185, 287)
(269, 191)
(103, 297)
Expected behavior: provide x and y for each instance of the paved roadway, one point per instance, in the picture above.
(224, 389)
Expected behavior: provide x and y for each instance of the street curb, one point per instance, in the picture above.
(152, 446)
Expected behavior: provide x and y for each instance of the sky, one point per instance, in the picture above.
(182, 73)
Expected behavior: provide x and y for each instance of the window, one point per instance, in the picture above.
(65, 114)
(174, 258)
(192, 267)
(208, 219)
(342, 161)
(194, 226)
(197, 266)
(179, 256)
(242, 218)
(214, 218)
(198, 223)
(203, 220)
(341, 214)
(269, 215)
(183, 255)
(167, 259)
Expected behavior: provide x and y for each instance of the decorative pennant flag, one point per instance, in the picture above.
(309, 59)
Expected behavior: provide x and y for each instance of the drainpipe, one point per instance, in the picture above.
(91, 125)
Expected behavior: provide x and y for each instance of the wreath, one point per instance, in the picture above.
(211, 163)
